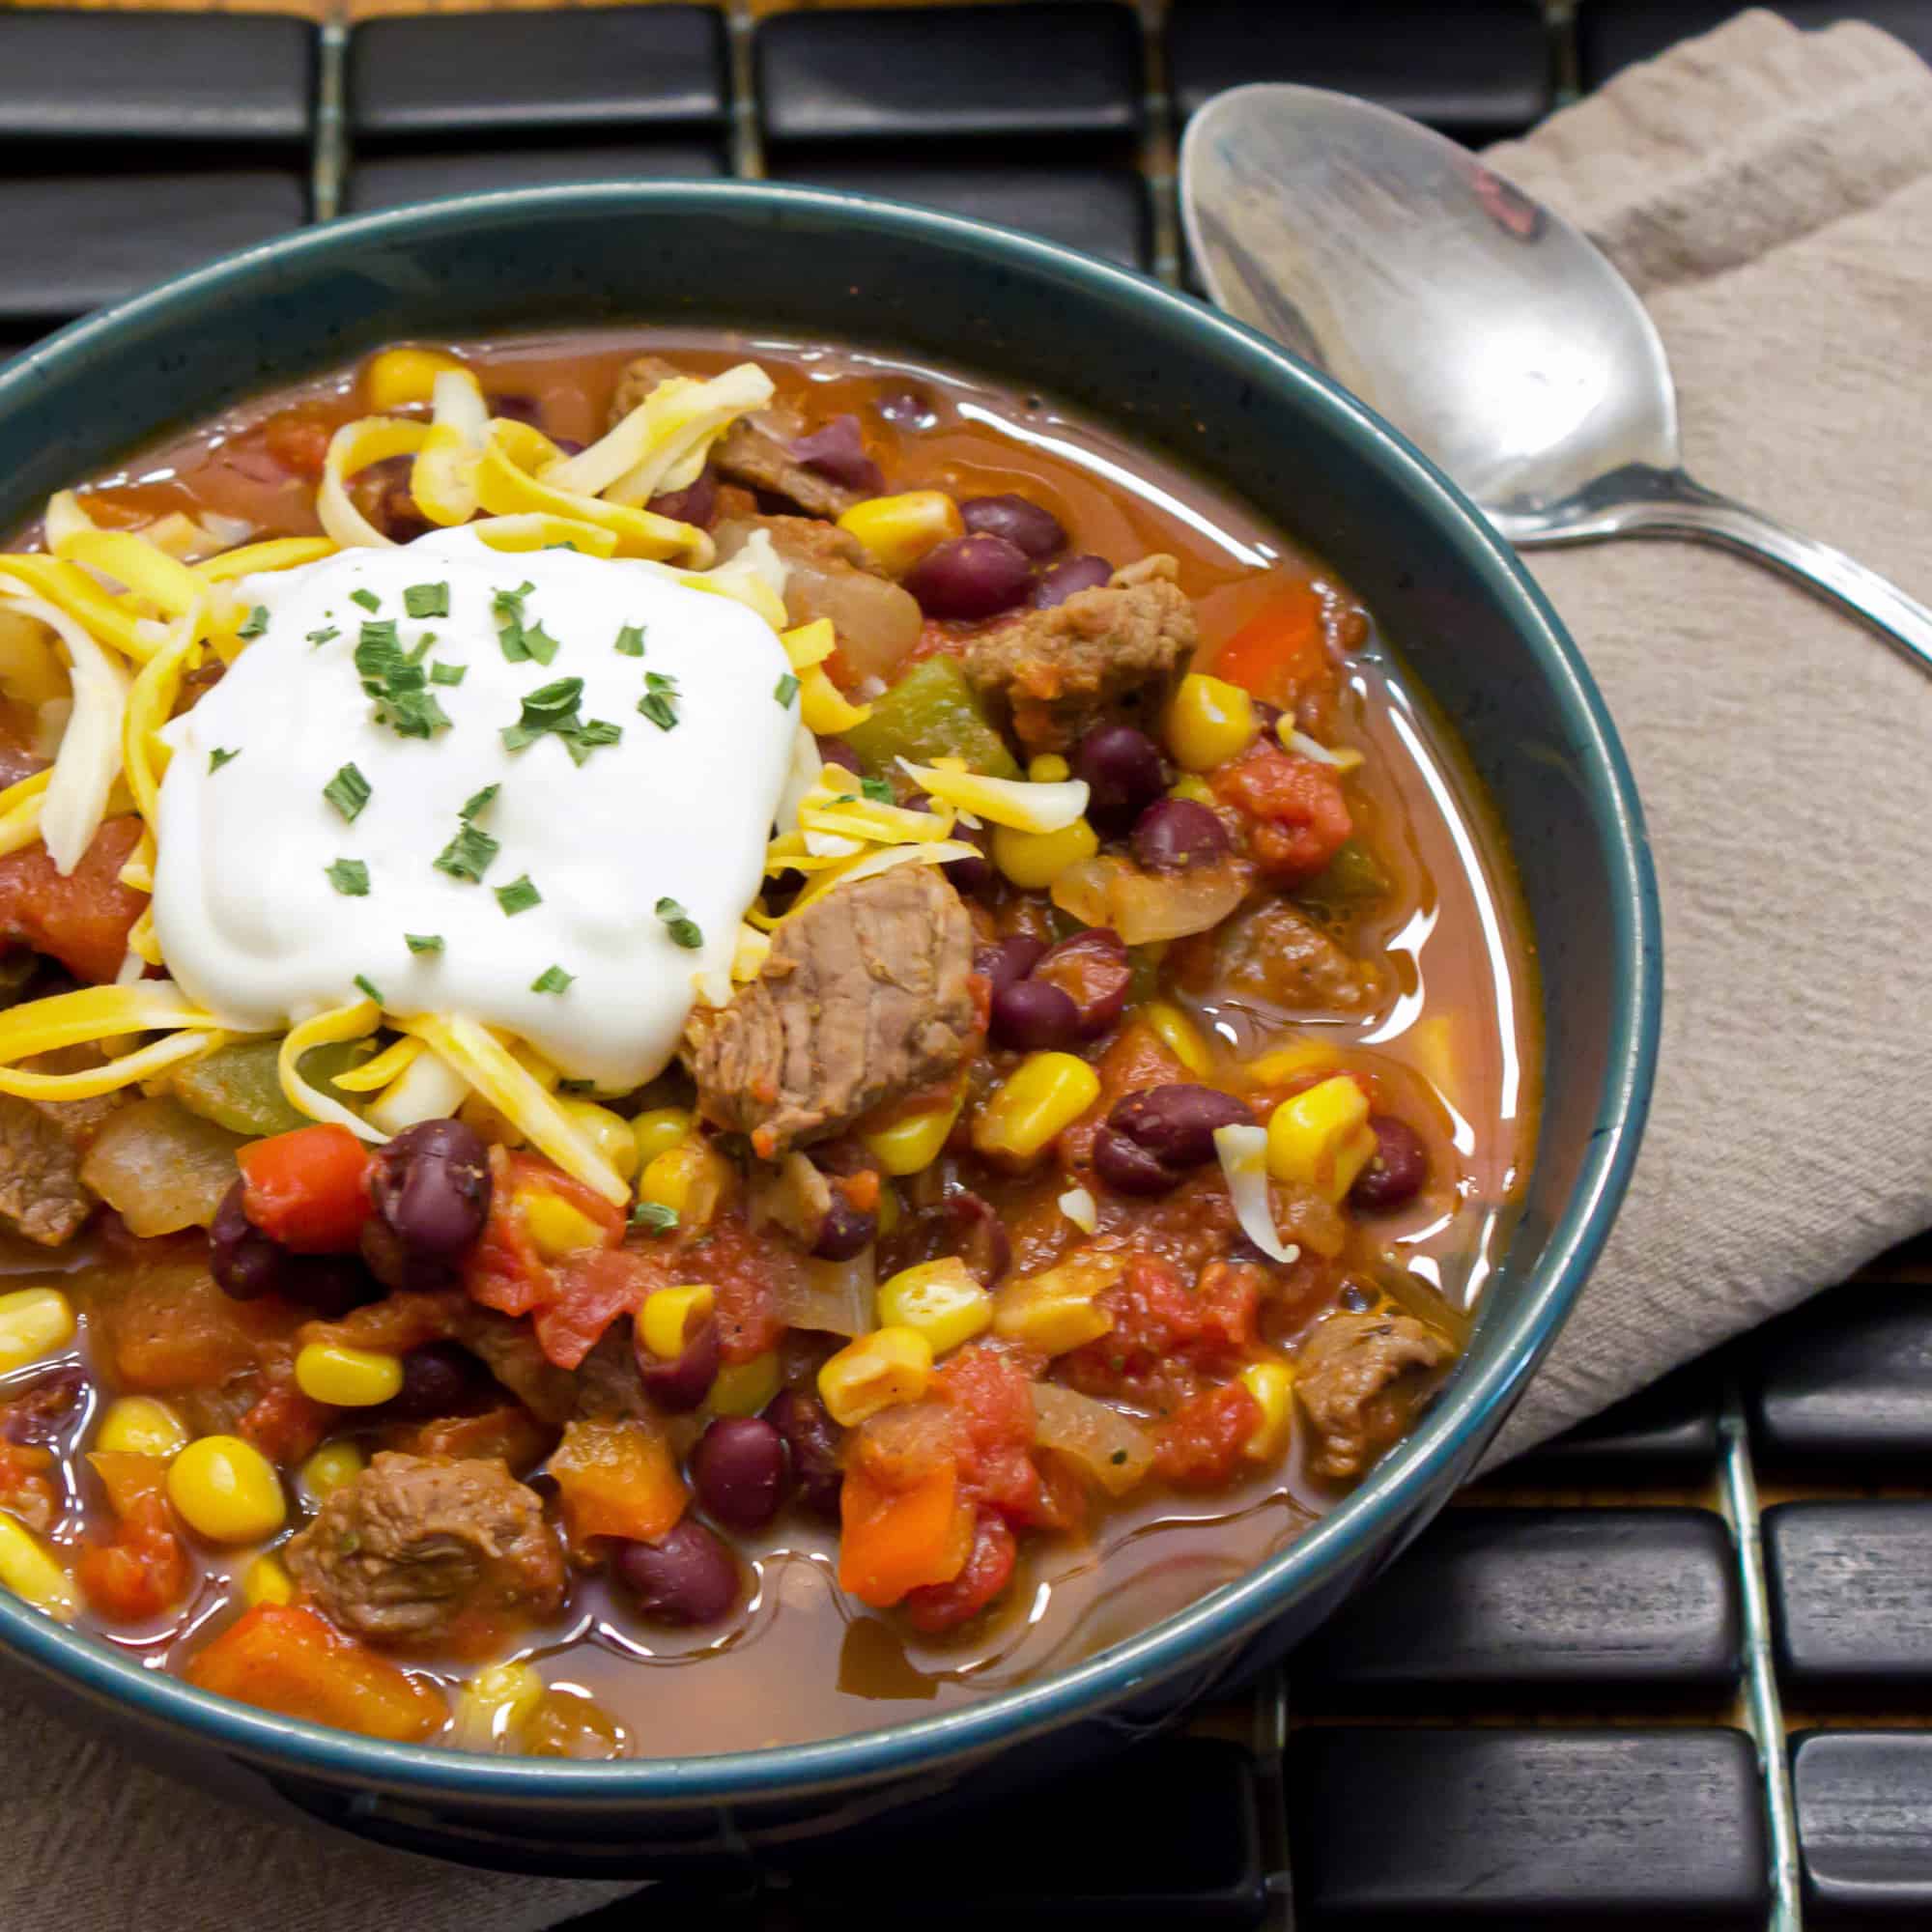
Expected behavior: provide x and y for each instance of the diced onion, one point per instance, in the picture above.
(1146, 907)
(429, 1089)
(1081, 1209)
(1018, 802)
(830, 1297)
(1243, 1156)
(1115, 1450)
(161, 1168)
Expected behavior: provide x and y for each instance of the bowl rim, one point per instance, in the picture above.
(1226, 1616)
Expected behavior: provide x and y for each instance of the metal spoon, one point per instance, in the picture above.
(1483, 325)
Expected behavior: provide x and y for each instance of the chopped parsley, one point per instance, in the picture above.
(397, 682)
(477, 803)
(423, 941)
(366, 984)
(368, 600)
(877, 790)
(551, 979)
(552, 708)
(659, 702)
(630, 641)
(653, 1217)
(350, 877)
(317, 639)
(522, 641)
(519, 895)
(785, 691)
(468, 855)
(426, 600)
(442, 674)
(680, 925)
(257, 622)
(217, 759)
(347, 792)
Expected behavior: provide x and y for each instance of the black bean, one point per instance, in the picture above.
(438, 1378)
(1009, 960)
(1129, 1168)
(1175, 832)
(811, 1437)
(431, 1188)
(332, 1285)
(1093, 970)
(1056, 584)
(974, 875)
(738, 1470)
(978, 1236)
(244, 1261)
(1176, 1123)
(1396, 1170)
(1031, 1016)
(1036, 531)
(686, 1577)
(970, 578)
(846, 1231)
(1124, 772)
(837, 752)
(681, 1383)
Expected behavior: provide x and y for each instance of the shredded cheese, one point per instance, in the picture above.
(352, 449)
(1243, 1158)
(330, 1028)
(1023, 804)
(662, 445)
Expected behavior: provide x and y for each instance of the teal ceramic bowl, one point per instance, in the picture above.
(1178, 376)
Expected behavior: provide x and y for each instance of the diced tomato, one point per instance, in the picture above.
(937, 1607)
(892, 1541)
(1160, 1322)
(1278, 653)
(590, 1289)
(307, 1189)
(1301, 819)
(285, 1424)
(991, 1398)
(507, 1432)
(299, 441)
(27, 1485)
(746, 1271)
(83, 920)
(1200, 1442)
(282, 1656)
(143, 1570)
(170, 1328)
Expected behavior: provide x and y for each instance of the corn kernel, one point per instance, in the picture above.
(138, 1425)
(33, 1574)
(34, 1321)
(1049, 768)
(1197, 791)
(669, 1316)
(942, 1300)
(1273, 1386)
(496, 1706)
(266, 1581)
(1033, 860)
(693, 1180)
(347, 1377)
(556, 1227)
(1043, 1094)
(898, 530)
(331, 1468)
(1209, 721)
(912, 1143)
(400, 375)
(888, 1365)
(607, 1132)
(227, 1490)
(1321, 1137)
(743, 1388)
(656, 1130)
(1180, 1035)
(1287, 1062)
(1055, 1311)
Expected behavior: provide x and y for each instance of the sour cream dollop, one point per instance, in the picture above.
(249, 902)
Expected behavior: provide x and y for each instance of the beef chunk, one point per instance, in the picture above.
(1056, 671)
(41, 1145)
(1361, 1380)
(864, 997)
(745, 453)
(1273, 954)
(424, 1552)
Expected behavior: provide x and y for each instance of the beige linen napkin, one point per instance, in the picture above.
(1770, 193)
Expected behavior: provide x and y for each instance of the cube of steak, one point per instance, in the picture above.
(41, 1145)
(863, 998)
(1273, 954)
(420, 1551)
(1361, 1379)
(1057, 672)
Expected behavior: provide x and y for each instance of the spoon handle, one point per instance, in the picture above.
(1671, 505)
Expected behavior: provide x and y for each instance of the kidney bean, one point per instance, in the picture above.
(970, 576)
(244, 1261)
(969, 875)
(686, 1577)
(1093, 970)
(846, 1231)
(681, 1383)
(1011, 960)
(837, 752)
(1176, 1123)
(1124, 772)
(1035, 530)
(429, 1187)
(1129, 1168)
(438, 1378)
(738, 1470)
(1175, 832)
(1057, 583)
(1396, 1170)
(1033, 1016)
(696, 503)
(978, 1236)
(837, 449)
(812, 1439)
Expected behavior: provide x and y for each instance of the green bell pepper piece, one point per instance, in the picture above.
(1352, 875)
(933, 713)
(238, 1087)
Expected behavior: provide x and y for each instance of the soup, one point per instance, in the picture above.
(711, 1041)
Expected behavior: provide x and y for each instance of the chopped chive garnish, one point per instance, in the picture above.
(366, 984)
(419, 650)
(423, 941)
(551, 979)
(659, 702)
(519, 895)
(368, 599)
(552, 708)
(257, 623)
(477, 802)
(584, 739)
(630, 641)
(347, 792)
(787, 690)
(522, 642)
(468, 856)
(679, 923)
(426, 600)
(217, 759)
(653, 1217)
(877, 790)
(350, 877)
(322, 637)
(396, 682)
(442, 674)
